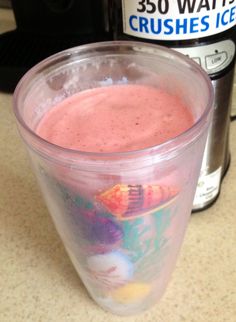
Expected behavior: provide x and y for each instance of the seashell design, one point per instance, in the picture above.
(109, 270)
(129, 201)
(131, 293)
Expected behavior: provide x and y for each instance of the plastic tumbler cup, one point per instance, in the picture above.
(121, 216)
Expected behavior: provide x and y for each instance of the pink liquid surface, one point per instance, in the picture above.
(115, 119)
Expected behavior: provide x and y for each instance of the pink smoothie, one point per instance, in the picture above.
(115, 119)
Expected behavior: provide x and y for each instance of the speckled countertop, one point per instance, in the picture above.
(38, 282)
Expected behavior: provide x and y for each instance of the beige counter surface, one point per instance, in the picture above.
(38, 282)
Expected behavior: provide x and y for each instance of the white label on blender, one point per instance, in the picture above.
(177, 19)
(208, 187)
(214, 57)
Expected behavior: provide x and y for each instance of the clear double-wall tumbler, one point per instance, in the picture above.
(121, 216)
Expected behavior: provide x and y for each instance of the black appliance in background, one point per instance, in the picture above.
(45, 27)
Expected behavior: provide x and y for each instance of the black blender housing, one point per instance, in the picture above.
(45, 27)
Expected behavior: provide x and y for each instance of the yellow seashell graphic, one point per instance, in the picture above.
(131, 292)
(130, 201)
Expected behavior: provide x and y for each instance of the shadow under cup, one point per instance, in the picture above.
(121, 216)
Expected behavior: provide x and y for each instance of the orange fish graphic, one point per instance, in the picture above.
(129, 201)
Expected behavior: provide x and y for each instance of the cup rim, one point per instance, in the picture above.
(164, 51)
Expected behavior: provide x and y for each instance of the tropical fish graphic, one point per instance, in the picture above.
(129, 201)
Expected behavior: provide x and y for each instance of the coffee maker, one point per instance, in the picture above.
(45, 27)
